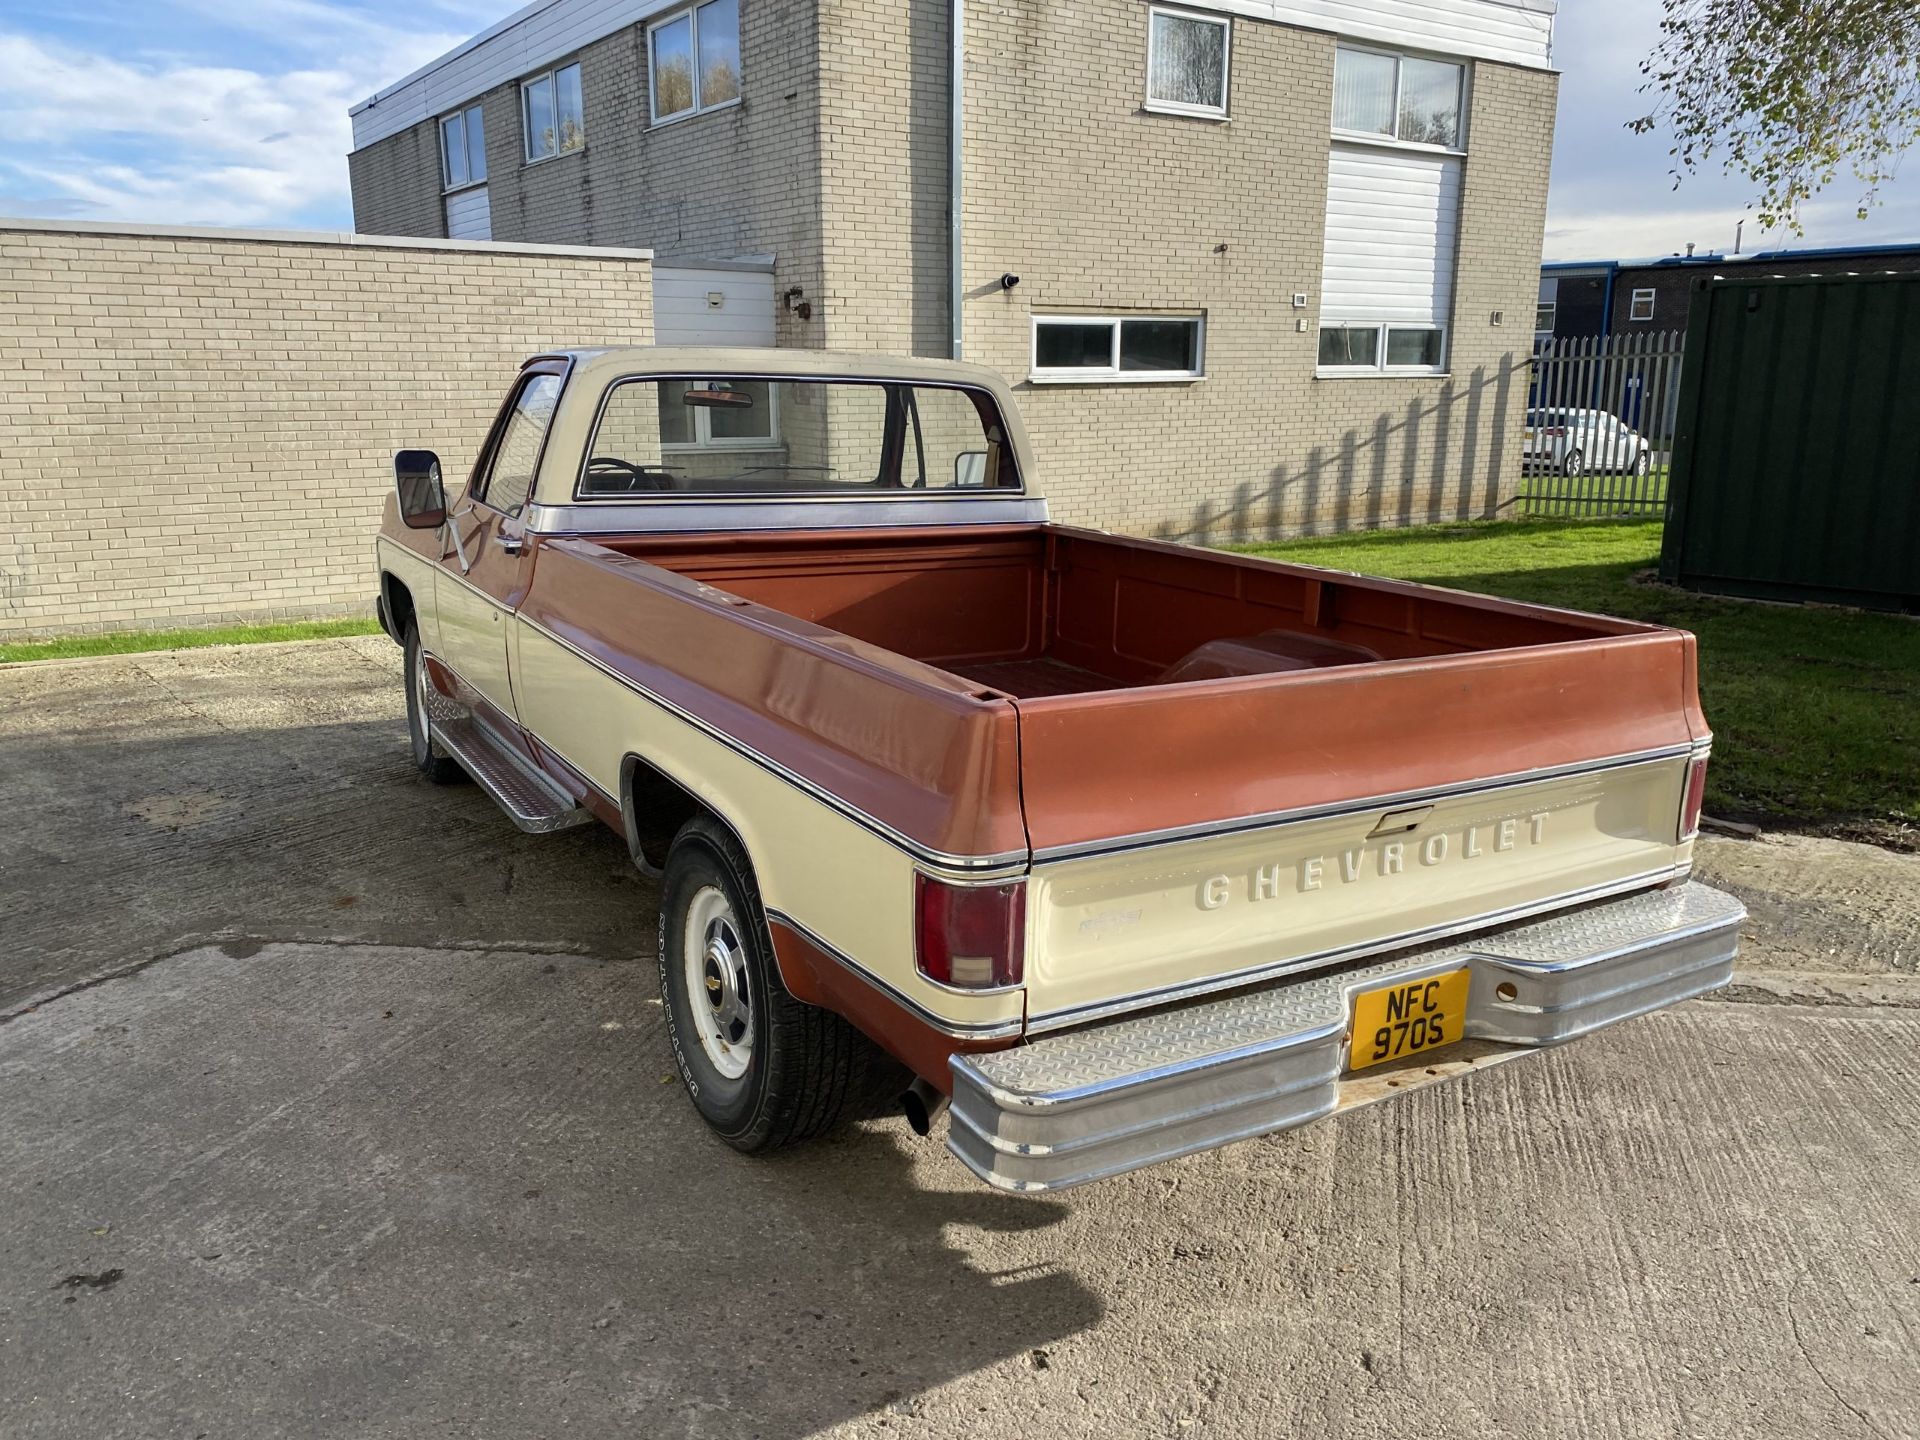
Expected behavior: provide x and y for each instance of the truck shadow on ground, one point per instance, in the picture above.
(460, 1186)
(408, 1125)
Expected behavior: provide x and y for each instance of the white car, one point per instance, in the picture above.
(1580, 442)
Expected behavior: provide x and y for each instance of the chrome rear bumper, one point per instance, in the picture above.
(1095, 1102)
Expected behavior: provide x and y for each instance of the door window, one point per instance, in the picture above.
(510, 470)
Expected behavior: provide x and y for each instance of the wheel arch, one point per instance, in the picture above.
(654, 805)
(395, 606)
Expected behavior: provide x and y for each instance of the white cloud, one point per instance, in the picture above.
(176, 142)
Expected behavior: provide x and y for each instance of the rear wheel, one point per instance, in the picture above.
(427, 757)
(1575, 463)
(763, 1069)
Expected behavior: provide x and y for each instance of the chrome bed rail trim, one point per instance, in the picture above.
(1237, 979)
(1013, 861)
(676, 515)
(1110, 1098)
(1391, 800)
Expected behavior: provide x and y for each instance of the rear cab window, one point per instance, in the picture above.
(719, 435)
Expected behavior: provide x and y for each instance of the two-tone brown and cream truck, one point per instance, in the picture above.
(1129, 849)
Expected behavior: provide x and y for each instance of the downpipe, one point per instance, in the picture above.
(922, 1105)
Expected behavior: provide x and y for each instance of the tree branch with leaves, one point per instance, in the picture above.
(1787, 93)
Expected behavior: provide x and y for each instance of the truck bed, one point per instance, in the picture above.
(1154, 729)
(1048, 611)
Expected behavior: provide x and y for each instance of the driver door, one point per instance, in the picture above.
(475, 598)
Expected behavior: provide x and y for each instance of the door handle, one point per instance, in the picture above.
(512, 544)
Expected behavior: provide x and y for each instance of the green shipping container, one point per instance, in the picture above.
(1796, 467)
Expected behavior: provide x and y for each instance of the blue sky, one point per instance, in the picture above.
(234, 112)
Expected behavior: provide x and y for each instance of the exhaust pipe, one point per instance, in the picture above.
(922, 1105)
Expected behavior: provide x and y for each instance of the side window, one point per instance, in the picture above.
(509, 477)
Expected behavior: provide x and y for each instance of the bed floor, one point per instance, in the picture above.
(1030, 679)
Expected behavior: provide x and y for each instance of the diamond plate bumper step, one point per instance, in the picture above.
(1086, 1104)
(531, 801)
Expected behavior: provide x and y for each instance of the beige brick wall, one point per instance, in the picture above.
(200, 428)
(884, 180)
(1098, 205)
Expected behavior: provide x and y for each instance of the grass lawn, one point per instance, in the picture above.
(128, 642)
(1815, 712)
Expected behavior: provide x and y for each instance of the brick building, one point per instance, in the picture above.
(1580, 298)
(1260, 266)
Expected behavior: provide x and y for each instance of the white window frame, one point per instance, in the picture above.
(552, 77)
(1634, 316)
(1400, 57)
(1380, 366)
(1551, 310)
(693, 39)
(1112, 374)
(1175, 107)
(703, 439)
(466, 115)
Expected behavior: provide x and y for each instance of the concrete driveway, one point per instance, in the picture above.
(329, 1103)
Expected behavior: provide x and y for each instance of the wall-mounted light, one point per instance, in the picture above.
(1009, 280)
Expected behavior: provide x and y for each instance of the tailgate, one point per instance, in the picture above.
(1195, 836)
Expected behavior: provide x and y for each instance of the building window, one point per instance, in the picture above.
(1118, 347)
(554, 113)
(1412, 349)
(750, 420)
(1544, 315)
(463, 149)
(1641, 307)
(1398, 97)
(1187, 62)
(695, 60)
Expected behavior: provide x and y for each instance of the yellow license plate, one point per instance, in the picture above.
(1403, 1019)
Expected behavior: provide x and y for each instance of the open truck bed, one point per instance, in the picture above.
(1165, 817)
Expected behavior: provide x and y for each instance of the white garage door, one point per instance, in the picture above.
(699, 306)
(469, 215)
(1393, 227)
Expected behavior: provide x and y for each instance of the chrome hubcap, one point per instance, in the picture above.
(718, 991)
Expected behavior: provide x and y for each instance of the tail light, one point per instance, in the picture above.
(972, 937)
(1557, 432)
(1695, 797)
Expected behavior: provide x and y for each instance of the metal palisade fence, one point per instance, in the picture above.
(1601, 413)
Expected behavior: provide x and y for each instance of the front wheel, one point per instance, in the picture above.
(763, 1069)
(1643, 467)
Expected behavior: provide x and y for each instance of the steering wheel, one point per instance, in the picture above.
(610, 475)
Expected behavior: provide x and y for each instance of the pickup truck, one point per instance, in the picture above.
(1125, 849)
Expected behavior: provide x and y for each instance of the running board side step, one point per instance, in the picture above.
(1088, 1103)
(531, 800)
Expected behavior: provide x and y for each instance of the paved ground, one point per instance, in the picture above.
(330, 1103)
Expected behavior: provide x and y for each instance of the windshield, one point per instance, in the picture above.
(736, 435)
